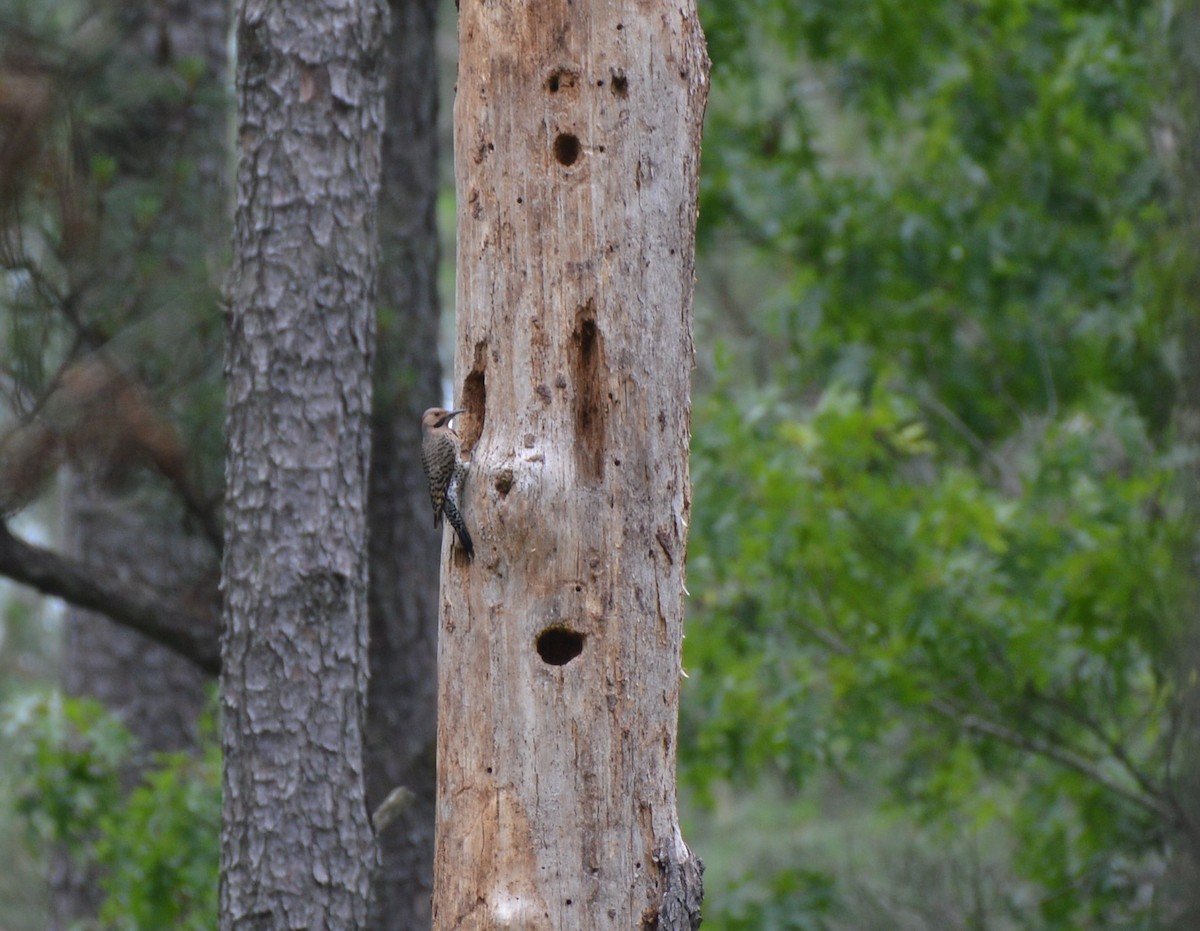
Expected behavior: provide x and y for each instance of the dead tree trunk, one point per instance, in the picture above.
(577, 130)
(296, 846)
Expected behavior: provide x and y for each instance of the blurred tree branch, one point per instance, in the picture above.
(1151, 801)
(185, 628)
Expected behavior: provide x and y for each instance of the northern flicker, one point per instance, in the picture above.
(445, 470)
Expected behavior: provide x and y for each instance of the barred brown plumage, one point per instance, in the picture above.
(445, 470)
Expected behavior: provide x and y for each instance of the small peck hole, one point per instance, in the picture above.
(557, 646)
(562, 79)
(567, 148)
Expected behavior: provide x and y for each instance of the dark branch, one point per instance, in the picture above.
(1061, 754)
(190, 633)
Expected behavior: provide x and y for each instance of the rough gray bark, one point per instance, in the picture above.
(577, 129)
(402, 710)
(296, 844)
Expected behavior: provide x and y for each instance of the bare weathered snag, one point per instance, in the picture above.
(296, 845)
(577, 131)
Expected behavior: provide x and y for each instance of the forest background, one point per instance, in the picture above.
(941, 638)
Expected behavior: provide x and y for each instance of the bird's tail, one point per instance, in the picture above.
(450, 507)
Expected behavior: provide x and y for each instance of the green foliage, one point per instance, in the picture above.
(977, 235)
(938, 516)
(155, 845)
(112, 229)
(71, 753)
(916, 581)
(160, 850)
(791, 900)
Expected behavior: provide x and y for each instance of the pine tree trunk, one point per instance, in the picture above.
(296, 847)
(577, 132)
(402, 711)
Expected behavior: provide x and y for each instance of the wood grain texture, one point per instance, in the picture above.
(577, 130)
(297, 847)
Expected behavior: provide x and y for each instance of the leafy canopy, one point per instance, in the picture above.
(937, 519)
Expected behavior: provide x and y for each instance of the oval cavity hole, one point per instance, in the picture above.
(557, 646)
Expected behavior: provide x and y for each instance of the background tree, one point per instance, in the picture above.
(297, 847)
(938, 521)
(577, 133)
(110, 274)
(940, 542)
(159, 694)
(183, 613)
(189, 248)
(402, 707)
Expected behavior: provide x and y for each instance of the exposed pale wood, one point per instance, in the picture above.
(577, 132)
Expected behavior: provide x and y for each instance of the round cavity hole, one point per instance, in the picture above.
(557, 646)
(567, 148)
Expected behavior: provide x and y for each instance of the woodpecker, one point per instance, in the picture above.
(445, 470)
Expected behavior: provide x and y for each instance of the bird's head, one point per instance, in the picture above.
(437, 417)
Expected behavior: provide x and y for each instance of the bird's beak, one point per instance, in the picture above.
(450, 416)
